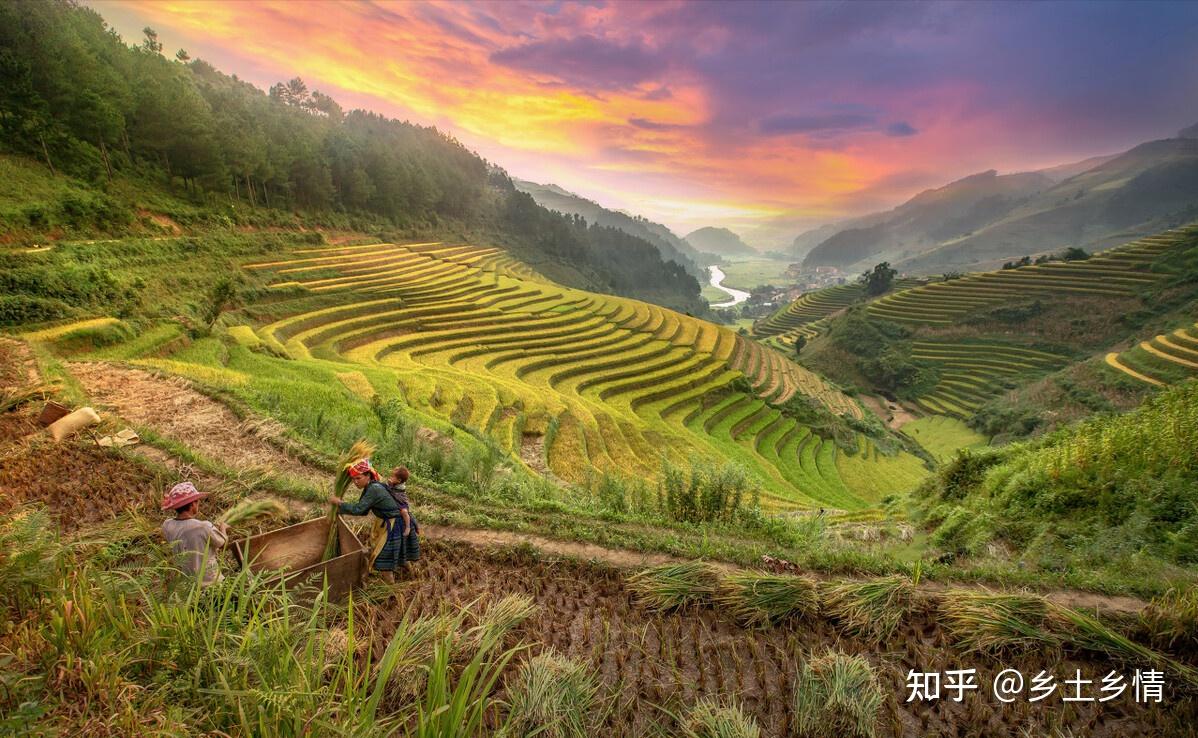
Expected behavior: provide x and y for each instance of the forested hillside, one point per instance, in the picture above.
(672, 247)
(99, 115)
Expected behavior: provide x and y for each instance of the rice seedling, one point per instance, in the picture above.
(757, 598)
(554, 696)
(872, 609)
(837, 695)
(249, 509)
(675, 585)
(710, 719)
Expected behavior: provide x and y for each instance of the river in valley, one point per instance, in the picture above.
(717, 277)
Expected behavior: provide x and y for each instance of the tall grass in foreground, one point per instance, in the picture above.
(156, 654)
(756, 598)
(675, 585)
(837, 695)
(554, 696)
(709, 719)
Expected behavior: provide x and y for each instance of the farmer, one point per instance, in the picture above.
(195, 541)
(386, 541)
(411, 529)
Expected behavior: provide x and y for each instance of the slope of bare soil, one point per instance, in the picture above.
(171, 408)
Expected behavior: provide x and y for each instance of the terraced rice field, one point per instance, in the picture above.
(1121, 271)
(1166, 358)
(973, 372)
(805, 315)
(581, 381)
(942, 436)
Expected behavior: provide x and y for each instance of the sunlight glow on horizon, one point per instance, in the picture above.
(773, 118)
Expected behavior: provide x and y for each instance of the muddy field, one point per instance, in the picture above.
(648, 660)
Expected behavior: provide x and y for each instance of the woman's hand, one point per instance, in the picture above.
(334, 500)
(407, 531)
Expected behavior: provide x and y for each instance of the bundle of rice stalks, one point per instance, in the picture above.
(360, 450)
(555, 697)
(502, 618)
(1171, 621)
(871, 609)
(993, 622)
(1084, 631)
(756, 598)
(998, 623)
(671, 586)
(837, 695)
(12, 398)
(249, 509)
(709, 719)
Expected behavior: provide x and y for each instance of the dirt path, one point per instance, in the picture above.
(175, 410)
(171, 408)
(893, 414)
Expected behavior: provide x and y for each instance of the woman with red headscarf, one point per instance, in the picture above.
(387, 541)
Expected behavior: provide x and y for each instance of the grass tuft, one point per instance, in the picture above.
(837, 695)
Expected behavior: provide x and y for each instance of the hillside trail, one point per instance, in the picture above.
(173, 409)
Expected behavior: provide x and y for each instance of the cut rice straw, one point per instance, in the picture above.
(675, 585)
(360, 450)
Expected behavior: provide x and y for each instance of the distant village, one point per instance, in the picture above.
(764, 299)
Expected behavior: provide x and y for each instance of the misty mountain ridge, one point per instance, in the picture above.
(720, 241)
(979, 221)
(668, 244)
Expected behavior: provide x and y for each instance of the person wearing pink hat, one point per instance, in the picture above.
(195, 541)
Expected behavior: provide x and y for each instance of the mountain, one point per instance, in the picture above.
(671, 247)
(1147, 189)
(927, 220)
(103, 119)
(985, 219)
(720, 241)
(808, 240)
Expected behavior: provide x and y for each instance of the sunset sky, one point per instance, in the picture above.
(765, 118)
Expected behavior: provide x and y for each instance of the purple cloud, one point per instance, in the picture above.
(819, 125)
(585, 60)
(901, 128)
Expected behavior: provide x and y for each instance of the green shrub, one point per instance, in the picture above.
(703, 493)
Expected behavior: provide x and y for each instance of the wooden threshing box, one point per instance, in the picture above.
(295, 552)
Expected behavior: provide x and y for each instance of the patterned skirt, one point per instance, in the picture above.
(389, 548)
